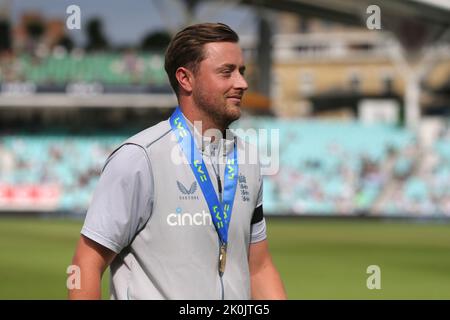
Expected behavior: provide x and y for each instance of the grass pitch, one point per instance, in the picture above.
(317, 259)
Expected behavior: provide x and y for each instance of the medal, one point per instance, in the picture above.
(222, 258)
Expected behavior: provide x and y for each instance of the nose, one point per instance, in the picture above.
(241, 83)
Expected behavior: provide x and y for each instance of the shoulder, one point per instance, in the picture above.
(119, 161)
(134, 150)
(151, 135)
(138, 145)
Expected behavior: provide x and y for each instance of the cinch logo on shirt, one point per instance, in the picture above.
(189, 219)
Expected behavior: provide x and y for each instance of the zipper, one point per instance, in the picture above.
(219, 183)
(219, 188)
(222, 288)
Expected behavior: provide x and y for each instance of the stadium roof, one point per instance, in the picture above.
(432, 15)
(442, 4)
(353, 11)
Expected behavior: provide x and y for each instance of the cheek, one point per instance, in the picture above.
(216, 90)
(219, 82)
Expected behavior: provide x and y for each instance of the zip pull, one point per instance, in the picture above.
(219, 184)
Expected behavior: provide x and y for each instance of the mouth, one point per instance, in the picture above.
(235, 99)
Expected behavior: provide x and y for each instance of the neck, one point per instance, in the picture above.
(207, 122)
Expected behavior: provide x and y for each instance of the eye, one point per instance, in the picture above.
(226, 73)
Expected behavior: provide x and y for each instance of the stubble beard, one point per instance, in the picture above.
(221, 113)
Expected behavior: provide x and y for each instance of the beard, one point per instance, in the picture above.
(217, 108)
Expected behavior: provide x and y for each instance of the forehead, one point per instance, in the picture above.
(218, 53)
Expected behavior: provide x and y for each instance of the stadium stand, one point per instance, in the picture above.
(327, 167)
(71, 163)
(332, 167)
(423, 187)
(109, 68)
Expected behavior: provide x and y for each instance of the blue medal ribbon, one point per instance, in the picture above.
(220, 212)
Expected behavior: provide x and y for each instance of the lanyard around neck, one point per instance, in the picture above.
(220, 211)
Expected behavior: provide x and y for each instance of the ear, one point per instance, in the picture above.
(185, 78)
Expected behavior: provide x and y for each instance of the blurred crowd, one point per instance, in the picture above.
(73, 163)
(60, 67)
(325, 168)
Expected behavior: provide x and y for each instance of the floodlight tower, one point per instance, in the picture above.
(415, 48)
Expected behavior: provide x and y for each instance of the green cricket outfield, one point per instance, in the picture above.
(317, 259)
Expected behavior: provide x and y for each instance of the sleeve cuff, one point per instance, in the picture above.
(94, 236)
(258, 232)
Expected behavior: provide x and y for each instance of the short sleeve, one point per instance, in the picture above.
(123, 199)
(258, 231)
(258, 211)
(258, 223)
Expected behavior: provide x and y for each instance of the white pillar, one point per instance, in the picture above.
(412, 101)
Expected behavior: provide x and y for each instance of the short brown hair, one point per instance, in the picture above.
(186, 48)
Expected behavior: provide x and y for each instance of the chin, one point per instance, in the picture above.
(233, 112)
